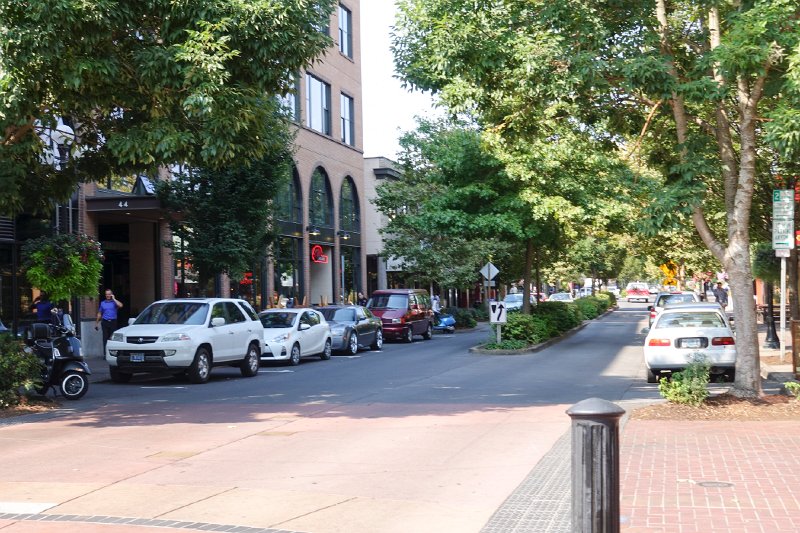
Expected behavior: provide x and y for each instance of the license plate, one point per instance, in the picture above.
(690, 343)
(137, 358)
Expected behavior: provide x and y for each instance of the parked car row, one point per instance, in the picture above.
(190, 336)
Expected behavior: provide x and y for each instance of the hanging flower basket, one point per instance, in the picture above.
(63, 265)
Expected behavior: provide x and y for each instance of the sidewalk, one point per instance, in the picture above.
(680, 477)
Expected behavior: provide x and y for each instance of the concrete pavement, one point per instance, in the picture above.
(675, 477)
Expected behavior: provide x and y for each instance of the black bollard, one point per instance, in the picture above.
(595, 466)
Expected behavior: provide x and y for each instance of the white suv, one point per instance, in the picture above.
(188, 335)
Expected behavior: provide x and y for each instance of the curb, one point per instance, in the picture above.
(542, 345)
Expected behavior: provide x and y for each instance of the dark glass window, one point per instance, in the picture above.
(345, 31)
(318, 105)
(320, 208)
(348, 120)
(290, 203)
(349, 212)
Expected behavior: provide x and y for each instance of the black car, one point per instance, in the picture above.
(353, 327)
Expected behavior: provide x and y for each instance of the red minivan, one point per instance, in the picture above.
(403, 312)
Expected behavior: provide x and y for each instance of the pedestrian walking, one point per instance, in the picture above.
(721, 295)
(107, 316)
(362, 300)
(42, 306)
(435, 304)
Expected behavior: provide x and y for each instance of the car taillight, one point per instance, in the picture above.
(722, 341)
(652, 314)
(659, 342)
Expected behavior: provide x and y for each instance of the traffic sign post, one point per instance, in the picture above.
(782, 243)
(489, 271)
(497, 316)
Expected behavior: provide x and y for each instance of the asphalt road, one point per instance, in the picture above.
(419, 437)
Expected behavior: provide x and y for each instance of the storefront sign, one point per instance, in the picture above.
(316, 254)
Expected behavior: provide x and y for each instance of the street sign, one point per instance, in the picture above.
(489, 271)
(497, 313)
(783, 203)
(783, 219)
(781, 252)
(782, 234)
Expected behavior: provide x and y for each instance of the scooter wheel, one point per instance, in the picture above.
(74, 385)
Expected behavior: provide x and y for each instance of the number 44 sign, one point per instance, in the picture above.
(497, 313)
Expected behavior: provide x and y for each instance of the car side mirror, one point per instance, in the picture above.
(649, 307)
(218, 321)
(131, 321)
(645, 330)
(304, 327)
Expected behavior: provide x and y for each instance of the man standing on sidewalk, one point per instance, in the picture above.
(107, 316)
(721, 295)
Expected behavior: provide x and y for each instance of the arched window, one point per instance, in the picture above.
(290, 201)
(320, 207)
(349, 212)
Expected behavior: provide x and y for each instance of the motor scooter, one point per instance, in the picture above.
(444, 322)
(63, 365)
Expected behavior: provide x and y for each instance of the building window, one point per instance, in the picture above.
(348, 121)
(290, 204)
(349, 212)
(345, 31)
(290, 102)
(318, 105)
(320, 208)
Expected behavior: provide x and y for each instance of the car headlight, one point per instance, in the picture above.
(281, 338)
(117, 337)
(397, 321)
(172, 337)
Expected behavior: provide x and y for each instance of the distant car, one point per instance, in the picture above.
(584, 291)
(403, 312)
(665, 298)
(637, 291)
(353, 327)
(560, 297)
(188, 335)
(613, 289)
(685, 331)
(291, 334)
(514, 301)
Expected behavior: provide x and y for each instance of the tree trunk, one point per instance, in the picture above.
(526, 278)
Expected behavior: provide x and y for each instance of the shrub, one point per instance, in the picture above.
(529, 329)
(465, 318)
(18, 370)
(689, 386)
(793, 388)
(588, 306)
(609, 297)
(559, 316)
(63, 265)
(506, 344)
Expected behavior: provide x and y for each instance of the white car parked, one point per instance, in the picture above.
(290, 334)
(189, 335)
(683, 332)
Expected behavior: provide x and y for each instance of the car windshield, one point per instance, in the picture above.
(638, 287)
(690, 319)
(560, 296)
(388, 301)
(513, 298)
(186, 313)
(279, 319)
(674, 299)
(339, 315)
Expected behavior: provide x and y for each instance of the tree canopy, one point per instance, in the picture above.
(686, 84)
(142, 84)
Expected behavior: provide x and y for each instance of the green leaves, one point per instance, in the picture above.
(63, 265)
(146, 83)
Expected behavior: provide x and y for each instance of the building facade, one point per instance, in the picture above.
(319, 256)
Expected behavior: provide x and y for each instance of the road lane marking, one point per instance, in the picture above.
(25, 507)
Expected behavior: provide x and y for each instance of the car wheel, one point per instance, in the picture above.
(294, 356)
(326, 351)
(251, 361)
(119, 377)
(428, 335)
(652, 377)
(377, 344)
(352, 346)
(409, 335)
(200, 370)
